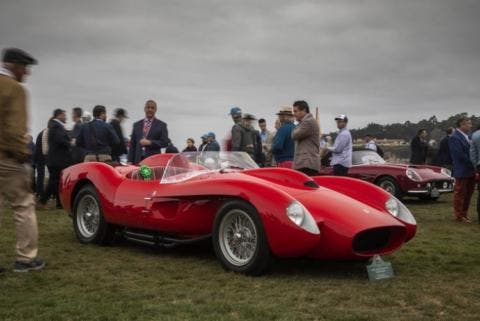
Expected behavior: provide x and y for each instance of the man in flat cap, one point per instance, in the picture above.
(14, 176)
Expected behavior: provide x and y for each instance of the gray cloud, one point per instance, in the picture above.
(378, 61)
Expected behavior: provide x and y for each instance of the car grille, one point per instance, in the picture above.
(378, 239)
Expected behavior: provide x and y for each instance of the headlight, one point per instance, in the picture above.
(299, 215)
(413, 175)
(446, 172)
(400, 211)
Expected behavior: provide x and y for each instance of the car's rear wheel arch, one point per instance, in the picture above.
(78, 187)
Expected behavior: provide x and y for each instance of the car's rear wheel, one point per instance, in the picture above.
(390, 185)
(239, 239)
(88, 221)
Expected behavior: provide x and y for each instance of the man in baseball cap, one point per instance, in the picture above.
(342, 148)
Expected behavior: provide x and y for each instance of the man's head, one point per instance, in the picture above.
(190, 142)
(369, 137)
(300, 109)
(262, 124)
(120, 114)
(17, 62)
(236, 114)
(150, 109)
(422, 133)
(248, 120)
(449, 131)
(210, 137)
(342, 121)
(204, 138)
(99, 112)
(77, 113)
(464, 124)
(60, 114)
(285, 114)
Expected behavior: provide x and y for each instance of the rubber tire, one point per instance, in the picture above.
(105, 233)
(262, 257)
(398, 193)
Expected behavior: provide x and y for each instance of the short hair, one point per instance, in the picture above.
(302, 105)
(461, 120)
(421, 130)
(98, 110)
(191, 139)
(449, 130)
(57, 112)
(77, 112)
(261, 121)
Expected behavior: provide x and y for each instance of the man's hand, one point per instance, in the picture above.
(145, 142)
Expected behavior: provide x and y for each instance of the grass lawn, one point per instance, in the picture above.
(437, 278)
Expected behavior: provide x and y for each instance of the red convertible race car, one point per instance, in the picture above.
(423, 181)
(251, 214)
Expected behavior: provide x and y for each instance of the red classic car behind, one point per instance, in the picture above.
(423, 181)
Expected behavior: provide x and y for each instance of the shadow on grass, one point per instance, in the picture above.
(300, 267)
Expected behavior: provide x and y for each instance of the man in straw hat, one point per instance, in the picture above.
(283, 146)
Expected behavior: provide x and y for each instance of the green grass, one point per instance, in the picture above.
(437, 278)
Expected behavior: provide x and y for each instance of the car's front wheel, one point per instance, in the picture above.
(239, 239)
(390, 185)
(88, 221)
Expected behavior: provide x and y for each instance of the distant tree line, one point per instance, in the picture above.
(407, 130)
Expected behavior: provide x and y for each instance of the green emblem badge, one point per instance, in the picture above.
(146, 172)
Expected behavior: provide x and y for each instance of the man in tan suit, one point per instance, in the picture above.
(307, 140)
(15, 179)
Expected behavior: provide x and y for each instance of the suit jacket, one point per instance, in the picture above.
(120, 148)
(307, 144)
(158, 135)
(58, 146)
(419, 151)
(443, 155)
(460, 152)
(13, 120)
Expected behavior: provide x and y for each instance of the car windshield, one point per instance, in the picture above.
(184, 166)
(365, 157)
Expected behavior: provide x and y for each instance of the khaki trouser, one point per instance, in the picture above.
(101, 158)
(15, 187)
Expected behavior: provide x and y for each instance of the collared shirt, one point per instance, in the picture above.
(465, 135)
(371, 145)
(264, 136)
(6, 72)
(147, 124)
(342, 149)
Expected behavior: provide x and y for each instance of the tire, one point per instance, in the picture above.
(88, 221)
(390, 185)
(238, 221)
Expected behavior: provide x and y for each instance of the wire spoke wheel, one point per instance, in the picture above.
(88, 216)
(238, 237)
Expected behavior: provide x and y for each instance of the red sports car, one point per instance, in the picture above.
(251, 214)
(423, 181)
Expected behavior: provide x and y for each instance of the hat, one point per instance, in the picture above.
(211, 134)
(120, 112)
(18, 56)
(342, 117)
(248, 117)
(204, 136)
(235, 112)
(286, 110)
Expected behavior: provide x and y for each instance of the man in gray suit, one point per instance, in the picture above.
(307, 140)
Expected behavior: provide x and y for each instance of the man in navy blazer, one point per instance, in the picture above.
(149, 135)
(463, 170)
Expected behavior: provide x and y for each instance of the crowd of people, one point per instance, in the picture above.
(295, 143)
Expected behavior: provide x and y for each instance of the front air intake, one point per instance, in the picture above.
(379, 240)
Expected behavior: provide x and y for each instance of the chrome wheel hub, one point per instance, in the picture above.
(88, 216)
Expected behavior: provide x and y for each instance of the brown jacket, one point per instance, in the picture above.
(13, 120)
(307, 144)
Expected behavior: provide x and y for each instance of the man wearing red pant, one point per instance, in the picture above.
(463, 170)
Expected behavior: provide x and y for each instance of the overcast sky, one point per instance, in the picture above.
(377, 61)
